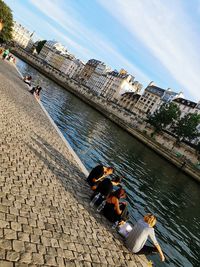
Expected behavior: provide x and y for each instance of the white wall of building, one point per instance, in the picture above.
(21, 35)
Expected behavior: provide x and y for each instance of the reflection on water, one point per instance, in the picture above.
(153, 185)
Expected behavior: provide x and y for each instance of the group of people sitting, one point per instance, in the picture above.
(107, 196)
(35, 90)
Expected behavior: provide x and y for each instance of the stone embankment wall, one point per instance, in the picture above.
(161, 144)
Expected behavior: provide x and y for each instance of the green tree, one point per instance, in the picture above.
(186, 127)
(40, 45)
(166, 115)
(6, 18)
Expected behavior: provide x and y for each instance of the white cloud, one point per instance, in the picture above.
(166, 31)
(98, 45)
(68, 41)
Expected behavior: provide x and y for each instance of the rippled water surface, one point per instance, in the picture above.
(153, 185)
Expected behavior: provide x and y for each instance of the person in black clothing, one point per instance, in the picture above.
(32, 91)
(114, 210)
(27, 80)
(37, 91)
(98, 174)
(106, 186)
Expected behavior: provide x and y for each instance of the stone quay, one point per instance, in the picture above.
(45, 216)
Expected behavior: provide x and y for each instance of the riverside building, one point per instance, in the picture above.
(49, 49)
(96, 79)
(153, 98)
(117, 83)
(128, 100)
(71, 66)
(186, 106)
(21, 36)
(88, 70)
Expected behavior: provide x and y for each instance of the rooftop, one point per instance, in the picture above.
(155, 90)
(186, 102)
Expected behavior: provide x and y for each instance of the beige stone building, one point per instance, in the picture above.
(46, 53)
(49, 49)
(56, 60)
(94, 82)
(21, 36)
(153, 98)
(149, 100)
(187, 106)
(79, 66)
(128, 100)
(88, 70)
(118, 83)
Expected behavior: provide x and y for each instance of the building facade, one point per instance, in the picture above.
(79, 67)
(128, 100)
(88, 70)
(186, 106)
(149, 101)
(21, 36)
(95, 79)
(49, 49)
(56, 60)
(118, 83)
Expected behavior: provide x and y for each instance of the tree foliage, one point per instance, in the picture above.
(186, 127)
(7, 18)
(164, 116)
(40, 45)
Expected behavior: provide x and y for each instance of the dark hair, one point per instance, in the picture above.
(118, 193)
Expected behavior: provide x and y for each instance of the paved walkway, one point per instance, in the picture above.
(45, 217)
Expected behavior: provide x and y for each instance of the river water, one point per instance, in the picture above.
(152, 184)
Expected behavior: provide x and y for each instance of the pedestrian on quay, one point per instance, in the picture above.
(139, 234)
(98, 174)
(5, 53)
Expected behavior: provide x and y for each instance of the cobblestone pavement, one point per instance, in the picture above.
(45, 217)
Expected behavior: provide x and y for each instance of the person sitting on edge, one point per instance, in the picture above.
(32, 91)
(97, 174)
(105, 188)
(37, 92)
(114, 210)
(138, 236)
(27, 80)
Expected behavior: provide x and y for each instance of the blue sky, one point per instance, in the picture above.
(154, 40)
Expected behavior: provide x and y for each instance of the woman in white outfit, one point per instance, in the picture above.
(139, 234)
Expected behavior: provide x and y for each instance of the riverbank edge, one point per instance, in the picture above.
(107, 113)
(75, 156)
(71, 150)
(142, 260)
